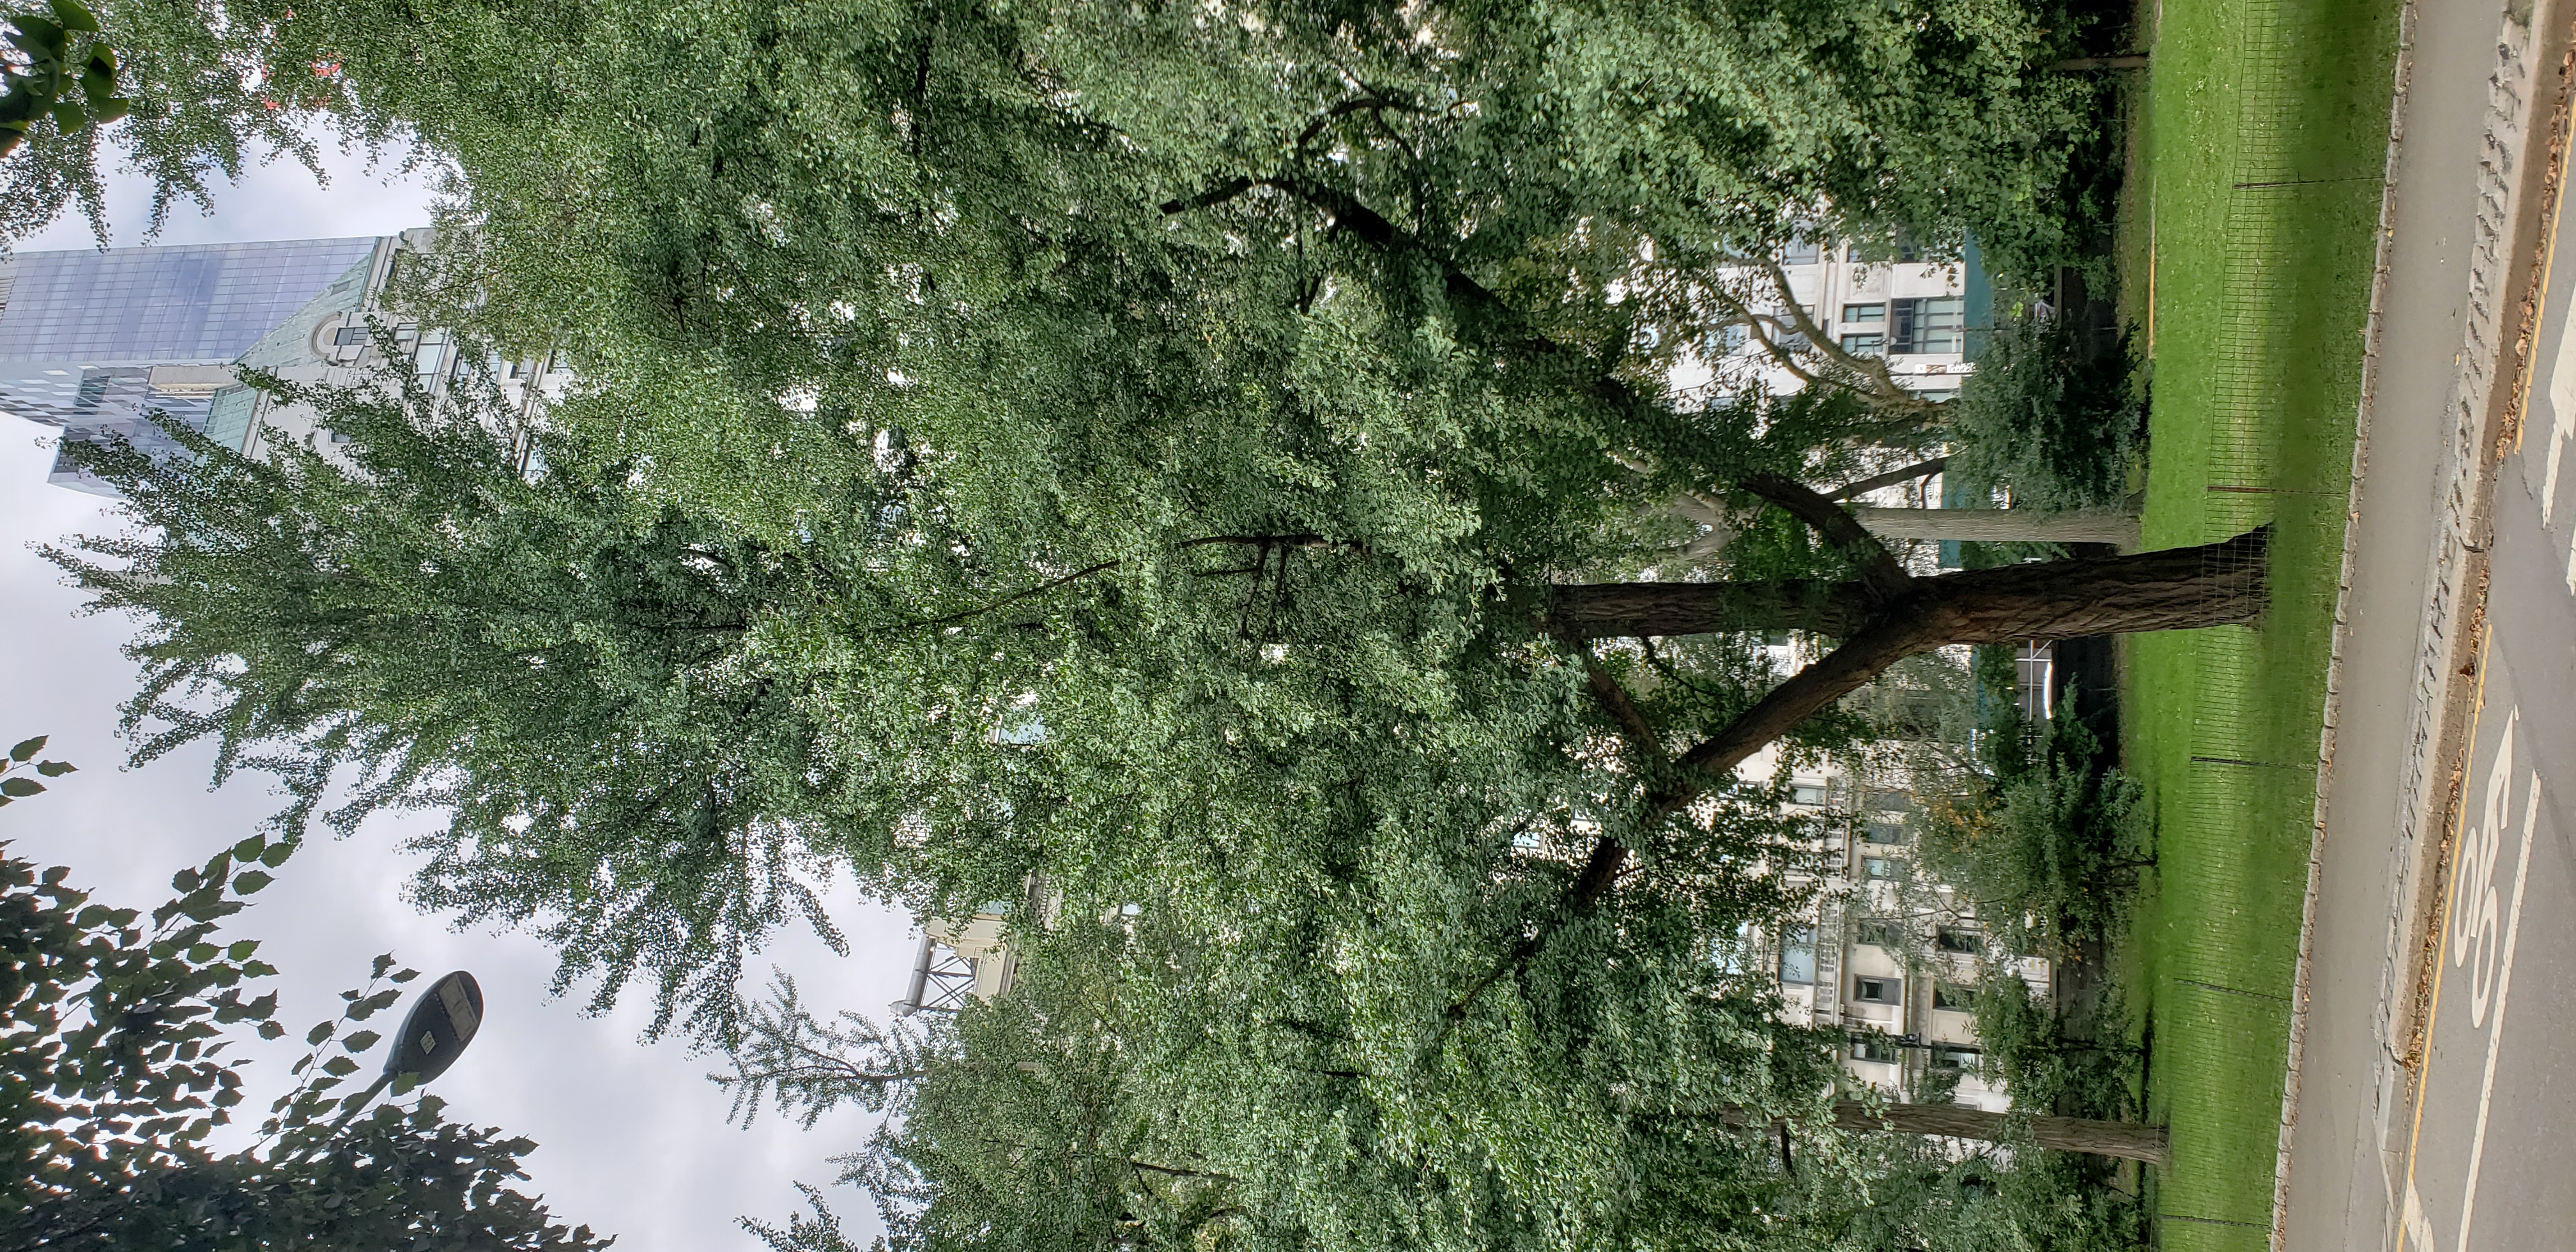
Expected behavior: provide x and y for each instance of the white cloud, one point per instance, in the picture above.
(632, 1137)
(278, 200)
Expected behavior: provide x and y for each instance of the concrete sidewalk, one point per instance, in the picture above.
(2479, 107)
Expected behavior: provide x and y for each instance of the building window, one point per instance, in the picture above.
(1872, 990)
(347, 335)
(1728, 339)
(1875, 1047)
(1953, 939)
(1729, 953)
(1807, 793)
(1865, 345)
(1900, 249)
(1864, 313)
(1798, 954)
(1950, 1057)
(1954, 998)
(1884, 828)
(1880, 932)
(1881, 868)
(1931, 324)
(1799, 252)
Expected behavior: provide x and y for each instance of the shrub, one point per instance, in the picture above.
(2049, 845)
(2046, 421)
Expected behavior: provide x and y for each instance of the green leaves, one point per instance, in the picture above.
(39, 88)
(116, 1044)
(73, 16)
(17, 786)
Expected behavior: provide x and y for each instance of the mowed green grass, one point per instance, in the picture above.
(2266, 138)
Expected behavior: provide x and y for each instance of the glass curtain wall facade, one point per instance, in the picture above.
(94, 341)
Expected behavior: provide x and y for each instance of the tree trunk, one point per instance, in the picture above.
(1632, 610)
(2174, 589)
(2129, 1141)
(2002, 525)
(2125, 61)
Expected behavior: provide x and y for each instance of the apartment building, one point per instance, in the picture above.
(1925, 318)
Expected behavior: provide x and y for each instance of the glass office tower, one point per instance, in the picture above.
(92, 341)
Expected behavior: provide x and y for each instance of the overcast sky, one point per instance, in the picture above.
(632, 1137)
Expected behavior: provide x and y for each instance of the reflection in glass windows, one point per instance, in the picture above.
(1798, 954)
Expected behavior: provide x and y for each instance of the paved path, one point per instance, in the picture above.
(2380, 1154)
(2336, 1195)
(2492, 1109)
(2486, 1158)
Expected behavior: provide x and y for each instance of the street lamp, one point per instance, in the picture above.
(441, 1022)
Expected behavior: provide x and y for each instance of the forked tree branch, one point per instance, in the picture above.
(1866, 375)
(1878, 568)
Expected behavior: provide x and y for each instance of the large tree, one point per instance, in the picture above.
(654, 729)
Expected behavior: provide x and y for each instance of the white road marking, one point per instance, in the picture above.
(2571, 558)
(2419, 1228)
(2503, 987)
(2562, 411)
(2474, 906)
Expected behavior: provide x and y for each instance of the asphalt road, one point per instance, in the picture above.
(2486, 1164)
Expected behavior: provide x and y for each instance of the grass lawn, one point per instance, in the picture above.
(2266, 129)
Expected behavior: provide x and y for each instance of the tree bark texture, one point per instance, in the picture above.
(2129, 1141)
(2002, 525)
(2173, 589)
(1632, 610)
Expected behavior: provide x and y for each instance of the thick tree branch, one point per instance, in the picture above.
(2124, 61)
(1902, 474)
(1370, 103)
(1879, 571)
(1210, 198)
